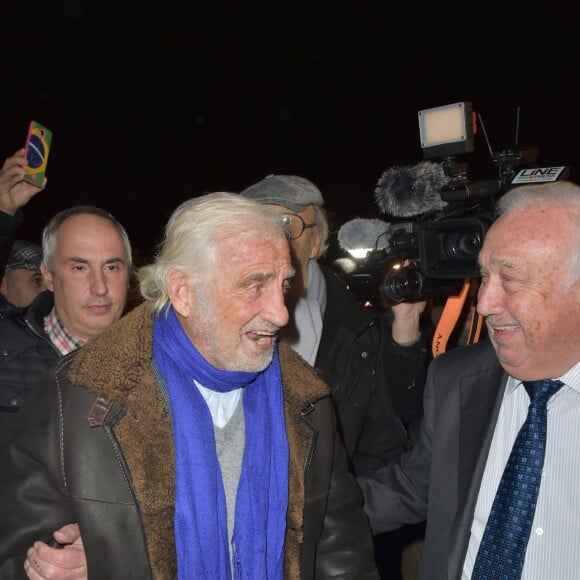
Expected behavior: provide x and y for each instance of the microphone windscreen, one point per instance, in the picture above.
(412, 190)
(361, 233)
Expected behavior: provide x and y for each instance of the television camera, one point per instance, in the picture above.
(434, 254)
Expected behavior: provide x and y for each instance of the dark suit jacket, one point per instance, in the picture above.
(439, 479)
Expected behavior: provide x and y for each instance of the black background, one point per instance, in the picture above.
(152, 104)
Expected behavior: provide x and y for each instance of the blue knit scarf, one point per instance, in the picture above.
(200, 505)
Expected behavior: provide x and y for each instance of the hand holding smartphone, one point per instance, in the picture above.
(38, 143)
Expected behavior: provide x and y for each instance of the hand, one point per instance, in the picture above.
(14, 191)
(43, 562)
(406, 324)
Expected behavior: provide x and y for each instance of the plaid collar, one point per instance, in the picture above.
(64, 341)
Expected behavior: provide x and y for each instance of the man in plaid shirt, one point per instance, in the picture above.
(86, 266)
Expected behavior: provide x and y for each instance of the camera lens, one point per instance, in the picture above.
(402, 285)
(462, 244)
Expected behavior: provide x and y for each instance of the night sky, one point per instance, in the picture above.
(153, 104)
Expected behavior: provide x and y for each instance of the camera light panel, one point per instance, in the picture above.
(446, 130)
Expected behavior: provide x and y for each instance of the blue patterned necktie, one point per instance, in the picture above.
(503, 546)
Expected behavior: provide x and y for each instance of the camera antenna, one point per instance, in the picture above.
(506, 159)
(485, 135)
(517, 126)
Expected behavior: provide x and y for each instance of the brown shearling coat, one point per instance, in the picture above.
(93, 444)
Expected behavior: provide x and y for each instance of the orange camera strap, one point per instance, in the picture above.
(475, 326)
(451, 313)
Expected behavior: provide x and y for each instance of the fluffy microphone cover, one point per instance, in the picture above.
(412, 190)
(364, 233)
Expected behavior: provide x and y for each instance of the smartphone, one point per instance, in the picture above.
(38, 143)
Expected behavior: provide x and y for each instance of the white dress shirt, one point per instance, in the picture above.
(553, 550)
(221, 405)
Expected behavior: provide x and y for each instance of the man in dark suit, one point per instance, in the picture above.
(361, 360)
(476, 401)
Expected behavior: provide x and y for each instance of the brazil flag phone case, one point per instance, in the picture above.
(38, 143)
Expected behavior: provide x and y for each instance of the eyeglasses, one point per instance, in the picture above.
(295, 225)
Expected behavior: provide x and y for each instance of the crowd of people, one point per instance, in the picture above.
(249, 418)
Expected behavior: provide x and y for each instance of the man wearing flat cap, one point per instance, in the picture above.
(338, 336)
(22, 280)
(364, 360)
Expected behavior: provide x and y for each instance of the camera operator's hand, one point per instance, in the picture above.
(14, 191)
(406, 328)
(406, 323)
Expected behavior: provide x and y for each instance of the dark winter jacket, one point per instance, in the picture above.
(94, 445)
(9, 225)
(25, 354)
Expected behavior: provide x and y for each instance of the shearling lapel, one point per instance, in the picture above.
(117, 366)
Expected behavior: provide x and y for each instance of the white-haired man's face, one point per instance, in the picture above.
(234, 321)
(532, 314)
